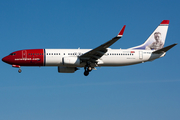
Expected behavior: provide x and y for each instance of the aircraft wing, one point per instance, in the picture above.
(98, 52)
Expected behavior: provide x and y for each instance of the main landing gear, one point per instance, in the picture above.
(87, 69)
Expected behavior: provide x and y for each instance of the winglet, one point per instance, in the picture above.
(121, 32)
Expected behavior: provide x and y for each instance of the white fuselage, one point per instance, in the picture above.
(113, 57)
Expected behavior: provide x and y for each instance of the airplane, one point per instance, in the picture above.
(70, 60)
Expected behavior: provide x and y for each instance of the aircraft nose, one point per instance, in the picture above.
(5, 59)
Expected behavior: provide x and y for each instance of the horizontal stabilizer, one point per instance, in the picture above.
(165, 49)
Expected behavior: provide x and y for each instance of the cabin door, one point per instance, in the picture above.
(24, 54)
(140, 55)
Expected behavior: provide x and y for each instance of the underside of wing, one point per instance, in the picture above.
(98, 52)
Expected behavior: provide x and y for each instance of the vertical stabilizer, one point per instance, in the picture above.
(156, 40)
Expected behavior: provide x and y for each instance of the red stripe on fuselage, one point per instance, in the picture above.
(29, 57)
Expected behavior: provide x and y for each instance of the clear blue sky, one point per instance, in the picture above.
(149, 91)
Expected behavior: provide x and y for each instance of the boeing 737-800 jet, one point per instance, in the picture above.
(69, 60)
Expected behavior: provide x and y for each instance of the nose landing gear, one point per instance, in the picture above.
(17, 66)
(19, 70)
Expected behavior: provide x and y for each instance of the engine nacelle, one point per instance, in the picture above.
(71, 61)
(62, 69)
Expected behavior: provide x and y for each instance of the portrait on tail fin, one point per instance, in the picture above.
(157, 44)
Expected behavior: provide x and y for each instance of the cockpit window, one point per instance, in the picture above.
(13, 54)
